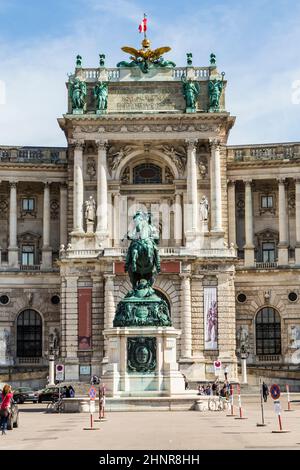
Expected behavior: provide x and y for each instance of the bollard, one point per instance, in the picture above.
(277, 409)
(240, 403)
(92, 395)
(288, 398)
(231, 402)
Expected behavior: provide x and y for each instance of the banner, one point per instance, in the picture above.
(210, 318)
(84, 318)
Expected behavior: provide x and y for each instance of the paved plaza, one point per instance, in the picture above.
(154, 430)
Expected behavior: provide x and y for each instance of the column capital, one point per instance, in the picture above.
(47, 184)
(214, 143)
(108, 276)
(13, 183)
(185, 276)
(231, 182)
(63, 186)
(77, 144)
(101, 144)
(281, 180)
(191, 144)
(248, 182)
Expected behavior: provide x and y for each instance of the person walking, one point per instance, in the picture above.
(265, 391)
(226, 373)
(71, 391)
(7, 395)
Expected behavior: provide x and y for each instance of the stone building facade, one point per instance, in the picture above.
(229, 221)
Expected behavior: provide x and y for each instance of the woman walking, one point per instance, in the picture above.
(7, 396)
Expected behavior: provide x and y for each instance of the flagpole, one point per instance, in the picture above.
(145, 36)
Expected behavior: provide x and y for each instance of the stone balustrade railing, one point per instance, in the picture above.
(164, 252)
(56, 155)
(264, 152)
(118, 73)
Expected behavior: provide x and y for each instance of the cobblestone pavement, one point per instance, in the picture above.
(155, 430)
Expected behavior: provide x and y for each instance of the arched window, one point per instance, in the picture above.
(268, 332)
(29, 334)
(147, 173)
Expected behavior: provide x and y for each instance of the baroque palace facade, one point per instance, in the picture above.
(228, 216)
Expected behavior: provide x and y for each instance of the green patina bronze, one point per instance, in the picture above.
(101, 93)
(191, 90)
(141, 354)
(101, 60)
(189, 58)
(213, 59)
(77, 93)
(215, 88)
(78, 61)
(142, 306)
(146, 65)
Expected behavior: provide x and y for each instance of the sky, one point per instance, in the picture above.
(257, 44)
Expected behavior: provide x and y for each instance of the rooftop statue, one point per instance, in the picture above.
(101, 93)
(142, 306)
(77, 93)
(215, 88)
(146, 58)
(191, 90)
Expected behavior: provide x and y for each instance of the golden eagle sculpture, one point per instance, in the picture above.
(146, 58)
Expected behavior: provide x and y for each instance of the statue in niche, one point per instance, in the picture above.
(101, 93)
(54, 340)
(204, 208)
(90, 214)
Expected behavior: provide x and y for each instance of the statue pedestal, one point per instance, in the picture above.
(142, 362)
(90, 226)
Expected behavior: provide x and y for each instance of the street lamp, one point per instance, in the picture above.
(244, 354)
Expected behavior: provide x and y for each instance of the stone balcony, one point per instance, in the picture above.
(54, 155)
(249, 153)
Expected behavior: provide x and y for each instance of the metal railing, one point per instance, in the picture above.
(262, 265)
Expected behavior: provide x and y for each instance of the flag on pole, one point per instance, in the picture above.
(143, 25)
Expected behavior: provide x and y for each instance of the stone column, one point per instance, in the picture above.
(297, 207)
(78, 189)
(186, 317)
(63, 215)
(231, 214)
(109, 304)
(216, 188)
(102, 217)
(192, 191)
(116, 220)
(249, 246)
(46, 250)
(13, 251)
(165, 211)
(283, 256)
(178, 220)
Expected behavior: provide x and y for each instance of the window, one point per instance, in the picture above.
(268, 332)
(29, 334)
(147, 173)
(28, 204)
(27, 255)
(268, 252)
(267, 202)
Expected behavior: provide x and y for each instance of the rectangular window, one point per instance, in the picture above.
(28, 255)
(267, 202)
(268, 252)
(28, 204)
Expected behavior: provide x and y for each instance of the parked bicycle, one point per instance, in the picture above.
(219, 404)
(56, 406)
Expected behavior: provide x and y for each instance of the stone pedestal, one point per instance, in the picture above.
(123, 375)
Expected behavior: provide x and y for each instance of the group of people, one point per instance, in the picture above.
(67, 392)
(213, 389)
